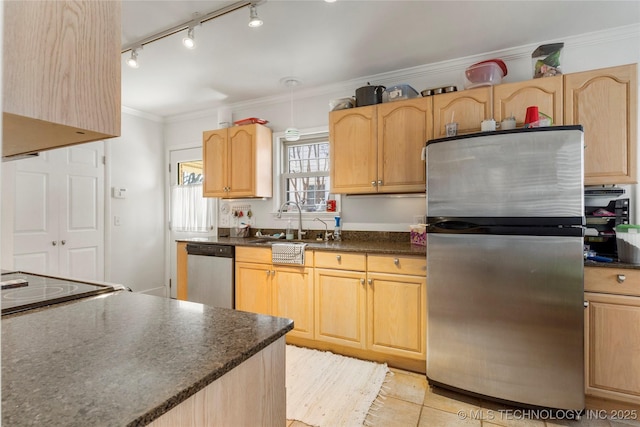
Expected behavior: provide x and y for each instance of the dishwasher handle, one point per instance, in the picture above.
(223, 251)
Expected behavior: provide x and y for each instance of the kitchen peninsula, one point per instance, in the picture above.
(125, 359)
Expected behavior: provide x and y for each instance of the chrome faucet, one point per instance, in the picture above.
(279, 215)
(327, 236)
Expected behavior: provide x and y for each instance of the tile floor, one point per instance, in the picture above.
(410, 402)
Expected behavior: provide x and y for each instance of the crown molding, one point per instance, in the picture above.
(142, 114)
(422, 71)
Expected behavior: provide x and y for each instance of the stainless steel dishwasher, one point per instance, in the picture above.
(210, 277)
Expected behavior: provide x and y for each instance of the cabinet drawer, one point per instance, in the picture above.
(621, 281)
(416, 266)
(251, 254)
(340, 260)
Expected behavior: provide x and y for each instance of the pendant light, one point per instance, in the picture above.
(291, 133)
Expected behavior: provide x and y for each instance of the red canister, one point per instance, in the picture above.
(331, 205)
(532, 115)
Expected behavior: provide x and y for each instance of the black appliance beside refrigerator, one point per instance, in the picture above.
(505, 215)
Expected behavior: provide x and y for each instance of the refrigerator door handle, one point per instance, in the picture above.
(451, 226)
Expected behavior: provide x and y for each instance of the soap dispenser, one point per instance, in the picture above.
(289, 232)
(337, 234)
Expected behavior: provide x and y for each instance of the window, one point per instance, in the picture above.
(305, 177)
(190, 212)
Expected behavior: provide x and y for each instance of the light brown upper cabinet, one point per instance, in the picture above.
(468, 108)
(238, 162)
(512, 99)
(61, 74)
(376, 149)
(605, 103)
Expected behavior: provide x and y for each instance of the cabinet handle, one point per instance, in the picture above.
(379, 182)
(373, 183)
(396, 261)
(621, 278)
(362, 281)
(64, 242)
(54, 243)
(339, 258)
(370, 282)
(586, 304)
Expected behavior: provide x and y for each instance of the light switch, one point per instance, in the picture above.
(119, 193)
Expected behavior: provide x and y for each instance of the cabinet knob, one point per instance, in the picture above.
(373, 183)
(268, 273)
(621, 278)
(379, 182)
(362, 281)
(273, 272)
(53, 243)
(586, 304)
(396, 261)
(64, 242)
(339, 258)
(370, 282)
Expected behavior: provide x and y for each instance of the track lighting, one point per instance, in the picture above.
(132, 61)
(189, 41)
(254, 19)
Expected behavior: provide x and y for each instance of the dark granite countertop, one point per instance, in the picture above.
(378, 246)
(615, 264)
(122, 359)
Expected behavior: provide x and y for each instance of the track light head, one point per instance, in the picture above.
(254, 19)
(189, 41)
(132, 61)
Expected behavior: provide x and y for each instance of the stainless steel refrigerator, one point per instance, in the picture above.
(505, 214)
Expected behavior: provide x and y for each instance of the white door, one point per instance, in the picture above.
(184, 164)
(59, 213)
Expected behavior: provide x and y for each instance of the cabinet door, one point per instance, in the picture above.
(242, 162)
(214, 155)
(253, 287)
(293, 298)
(352, 150)
(512, 99)
(605, 103)
(340, 307)
(468, 108)
(397, 312)
(182, 271)
(61, 73)
(403, 130)
(612, 347)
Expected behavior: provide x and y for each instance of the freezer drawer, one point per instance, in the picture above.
(505, 317)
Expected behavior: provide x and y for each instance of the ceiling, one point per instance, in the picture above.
(324, 43)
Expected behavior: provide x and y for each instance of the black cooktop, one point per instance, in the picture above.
(24, 291)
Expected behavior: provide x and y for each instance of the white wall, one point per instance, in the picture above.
(135, 250)
(583, 52)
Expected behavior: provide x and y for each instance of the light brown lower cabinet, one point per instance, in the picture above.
(277, 290)
(372, 302)
(612, 337)
(361, 305)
